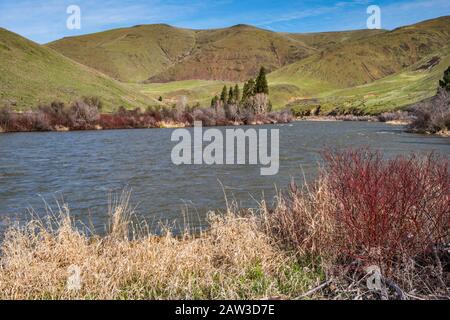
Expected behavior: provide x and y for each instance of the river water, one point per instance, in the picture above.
(83, 169)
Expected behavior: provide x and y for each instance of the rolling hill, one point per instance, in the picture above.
(415, 83)
(135, 66)
(31, 74)
(235, 54)
(163, 53)
(130, 54)
(361, 61)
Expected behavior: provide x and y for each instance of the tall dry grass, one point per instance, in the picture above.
(235, 259)
(363, 213)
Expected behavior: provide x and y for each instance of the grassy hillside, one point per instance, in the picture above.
(369, 69)
(326, 40)
(235, 54)
(130, 54)
(161, 53)
(343, 60)
(416, 83)
(408, 86)
(31, 74)
(164, 53)
(370, 58)
(196, 91)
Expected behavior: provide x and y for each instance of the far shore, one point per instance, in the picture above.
(158, 125)
(352, 118)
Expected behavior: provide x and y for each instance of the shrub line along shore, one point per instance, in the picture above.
(86, 115)
(363, 214)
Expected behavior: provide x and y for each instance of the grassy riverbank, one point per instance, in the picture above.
(323, 241)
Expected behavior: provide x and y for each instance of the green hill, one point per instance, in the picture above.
(363, 60)
(235, 54)
(130, 54)
(163, 53)
(326, 40)
(394, 92)
(372, 69)
(31, 74)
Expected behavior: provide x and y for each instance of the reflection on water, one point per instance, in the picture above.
(83, 168)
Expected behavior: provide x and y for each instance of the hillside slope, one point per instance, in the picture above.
(163, 53)
(415, 83)
(235, 54)
(326, 40)
(367, 59)
(130, 54)
(31, 74)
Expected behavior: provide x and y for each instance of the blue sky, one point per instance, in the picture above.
(45, 20)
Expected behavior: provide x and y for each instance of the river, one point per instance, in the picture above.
(83, 169)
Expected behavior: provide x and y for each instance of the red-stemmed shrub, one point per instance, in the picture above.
(386, 210)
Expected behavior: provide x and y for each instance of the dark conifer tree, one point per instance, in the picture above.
(251, 88)
(245, 91)
(224, 95)
(231, 96)
(237, 93)
(445, 82)
(261, 85)
(214, 101)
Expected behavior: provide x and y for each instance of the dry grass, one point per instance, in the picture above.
(233, 260)
(402, 204)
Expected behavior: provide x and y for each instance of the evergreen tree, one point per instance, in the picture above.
(224, 95)
(261, 85)
(245, 91)
(445, 82)
(237, 94)
(214, 101)
(231, 96)
(251, 88)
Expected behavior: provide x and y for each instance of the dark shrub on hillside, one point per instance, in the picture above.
(433, 115)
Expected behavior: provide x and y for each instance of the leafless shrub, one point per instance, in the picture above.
(366, 211)
(432, 115)
(5, 117)
(94, 102)
(35, 121)
(402, 116)
(83, 115)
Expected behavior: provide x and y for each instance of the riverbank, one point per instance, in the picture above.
(83, 116)
(381, 118)
(314, 242)
(338, 118)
